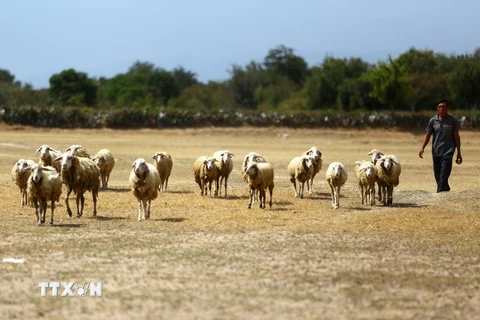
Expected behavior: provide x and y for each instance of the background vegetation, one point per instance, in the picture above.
(280, 90)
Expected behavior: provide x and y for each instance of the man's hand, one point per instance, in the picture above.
(459, 159)
(420, 153)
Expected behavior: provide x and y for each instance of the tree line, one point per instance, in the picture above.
(282, 82)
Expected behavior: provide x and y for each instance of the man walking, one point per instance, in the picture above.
(446, 139)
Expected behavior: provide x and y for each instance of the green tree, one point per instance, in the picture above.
(72, 88)
(244, 81)
(6, 76)
(282, 62)
(464, 81)
(389, 82)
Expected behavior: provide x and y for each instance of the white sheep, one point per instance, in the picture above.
(260, 176)
(44, 185)
(336, 176)
(300, 169)
(224, 164)
(366, 175)
(388, 170)
(78, 151)
(205, 173)
(164, 164)
(79, 175)
(315, 152)
(105, 161)
(20, 177)
(144, 182)
(374, 155)
(47, 156)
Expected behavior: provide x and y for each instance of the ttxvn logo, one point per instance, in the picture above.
(71, 289)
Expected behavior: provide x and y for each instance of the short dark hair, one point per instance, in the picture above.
(443, 101)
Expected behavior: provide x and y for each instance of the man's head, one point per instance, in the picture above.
(442, 107)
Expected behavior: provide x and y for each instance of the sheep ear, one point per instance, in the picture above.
(358, 162)
(38, 149)
(133, 164)
(232, 155)
(57, 158)
(154, 156)
(48, 169)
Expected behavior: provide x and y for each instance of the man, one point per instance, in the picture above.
(446, 139)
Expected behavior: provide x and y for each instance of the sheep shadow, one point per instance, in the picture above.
(116, 190)
(171, 219)
(67, 225)
(104, 218)
(178, 192)
(405, 205)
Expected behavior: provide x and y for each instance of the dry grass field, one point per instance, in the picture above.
(212, 258)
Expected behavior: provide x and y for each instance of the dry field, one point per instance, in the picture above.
(209, 258)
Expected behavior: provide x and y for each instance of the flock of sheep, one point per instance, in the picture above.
(41, 182)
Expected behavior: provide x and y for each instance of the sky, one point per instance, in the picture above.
(105, 37)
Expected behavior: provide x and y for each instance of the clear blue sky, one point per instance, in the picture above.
(105, 37)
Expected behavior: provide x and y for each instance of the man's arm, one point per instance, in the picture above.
(456, 136)
(426, 140)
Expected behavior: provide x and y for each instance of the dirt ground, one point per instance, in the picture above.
(213, 258)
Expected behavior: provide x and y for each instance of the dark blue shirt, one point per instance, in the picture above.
(442, 131)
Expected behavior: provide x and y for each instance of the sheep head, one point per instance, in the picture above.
(159, 156)
(313, 151)
(209, 163)
(375, 154)
(226, 155)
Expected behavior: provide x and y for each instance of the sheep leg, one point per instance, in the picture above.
(35, 203)
(270, 189)
(226, 178)
(166, 185)
(252, 193)
(380, 191)
(23, 196)
(69, 211)
(53, 208)
(82, 203)
(295, 187)
(95, 196)
(301, 186)
(372, 195)
(337, 197)
(147, 214)
(209, 184)
(332, 192)
(262, 198)
(43, 209)
(107, 178)
(139, 210)
(390, 194)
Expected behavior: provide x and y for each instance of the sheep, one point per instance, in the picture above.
(144, 182)
(105, 161)
(78, 151)
(388, 170)
(260, 176)
(366, 175)
(336, 176)
(376, 154)
(47, 155)
(301, 169)
(44, 184)
(164, 164)
(20, 177)
(251, 157)
(79, 175)
(205, 173)
(224, 164)
(315, 152)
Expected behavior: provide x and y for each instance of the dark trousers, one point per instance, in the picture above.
(442, 167)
